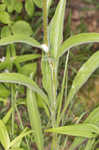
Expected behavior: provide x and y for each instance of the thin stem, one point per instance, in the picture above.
(45, 22)
(13, 106)
(66, 98)
(62, 88)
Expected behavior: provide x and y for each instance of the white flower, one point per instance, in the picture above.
(6, 70)
(45, 47)
(2, 59)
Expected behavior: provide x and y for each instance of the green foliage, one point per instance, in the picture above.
(22, 80)
(29, 6)
(19, 38)
(5, 17)
(22, 27)
(93, 119)
(46, 76)
(83, 74)
(48, 96)
(4, 92)
(84, 130)
(4, 137)
(76, 40)
(13, 5)
(5, 140)
(34, 118)
(56, 28)
(2, 7)
(5, 32)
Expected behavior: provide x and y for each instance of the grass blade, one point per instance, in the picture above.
(35, 118)
(56, 27)
(82, 130)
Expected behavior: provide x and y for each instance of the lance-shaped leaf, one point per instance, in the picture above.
(76, 40)
(19, 38)
(35, 118)
(83, 74)
(4, 137)
(83, 130)
(22, 80)
(56, 28)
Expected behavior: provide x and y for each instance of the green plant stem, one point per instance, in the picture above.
(45, 22)
(13, 106)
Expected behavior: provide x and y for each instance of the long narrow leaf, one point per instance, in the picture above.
(82, 130)
(35, 118)
(76, 40)
(19, 38)
(56, 27)
(22, 80)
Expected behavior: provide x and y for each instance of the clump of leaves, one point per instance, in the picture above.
(51, 101)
